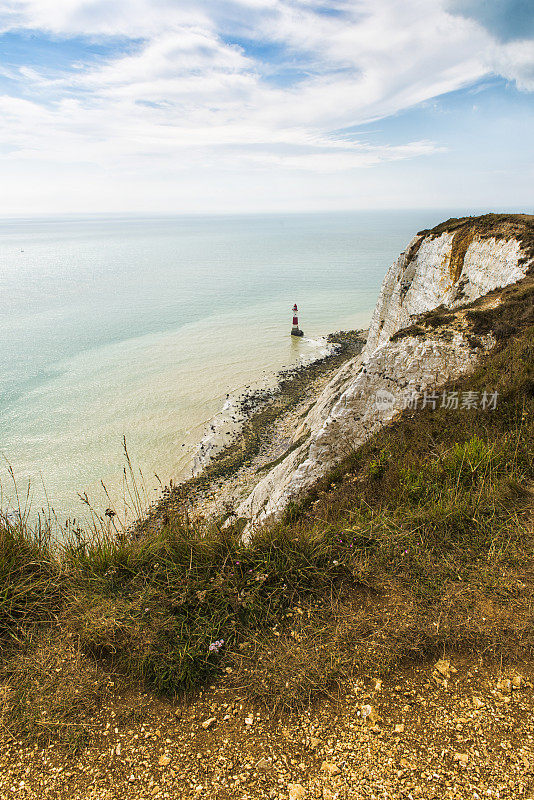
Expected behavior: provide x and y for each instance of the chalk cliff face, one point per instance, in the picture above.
(449, 266)
(427, 275)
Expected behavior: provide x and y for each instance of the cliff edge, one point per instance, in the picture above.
(443, 270)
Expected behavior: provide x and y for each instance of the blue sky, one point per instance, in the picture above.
(162, 106)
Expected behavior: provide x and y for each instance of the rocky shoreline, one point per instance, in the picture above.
(225, 428)
(269, 420)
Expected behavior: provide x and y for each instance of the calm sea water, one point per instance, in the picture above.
(140, 327)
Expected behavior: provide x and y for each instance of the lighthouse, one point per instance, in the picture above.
(295, 330)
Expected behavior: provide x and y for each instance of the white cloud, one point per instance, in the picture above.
(515, 61)
(343, 158)
(181, 93)
(129, 18)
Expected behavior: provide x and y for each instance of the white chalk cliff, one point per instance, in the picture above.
(448, 266)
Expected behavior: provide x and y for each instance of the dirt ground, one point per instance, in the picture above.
(455, 728)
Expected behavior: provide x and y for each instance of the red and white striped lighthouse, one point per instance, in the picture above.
(295, 330)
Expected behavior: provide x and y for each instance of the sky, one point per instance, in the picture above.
(230, 106)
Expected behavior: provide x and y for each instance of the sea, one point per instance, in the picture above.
(141, 329)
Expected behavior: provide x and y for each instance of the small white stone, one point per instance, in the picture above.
(330, 767)
(462, 758)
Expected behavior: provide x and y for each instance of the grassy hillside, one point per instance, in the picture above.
(422, 540)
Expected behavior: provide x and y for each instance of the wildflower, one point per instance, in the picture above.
(216, 646)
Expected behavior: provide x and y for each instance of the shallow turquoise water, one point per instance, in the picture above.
(140, 327)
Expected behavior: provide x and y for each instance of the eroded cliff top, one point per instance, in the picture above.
(487, 226)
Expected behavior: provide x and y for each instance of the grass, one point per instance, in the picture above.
(31, 580)
(419, 541)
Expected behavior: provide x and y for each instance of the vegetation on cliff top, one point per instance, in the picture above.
(421, 540)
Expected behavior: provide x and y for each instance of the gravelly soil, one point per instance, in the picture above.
(428, 732)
